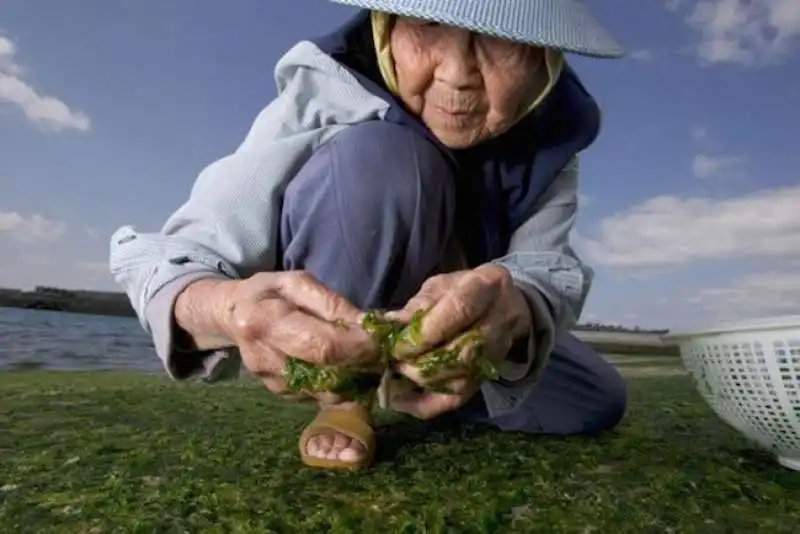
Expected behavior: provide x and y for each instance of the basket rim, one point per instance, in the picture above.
(781, 322)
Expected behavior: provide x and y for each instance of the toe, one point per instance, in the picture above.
(354, 451)
(340, 442)
(351, 455)
(312, 447)
(336, 446)
(324, 444)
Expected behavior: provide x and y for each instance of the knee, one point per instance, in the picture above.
(369, 213)
(373, 170)
(580, 393)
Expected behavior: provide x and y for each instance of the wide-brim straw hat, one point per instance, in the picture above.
(562, 24)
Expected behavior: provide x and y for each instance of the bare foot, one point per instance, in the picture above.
(335, 446)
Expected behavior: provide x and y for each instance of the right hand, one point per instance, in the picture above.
(272, 316)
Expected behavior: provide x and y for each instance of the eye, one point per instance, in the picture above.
(422, 23)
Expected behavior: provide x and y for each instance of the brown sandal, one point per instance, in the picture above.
(355, 423)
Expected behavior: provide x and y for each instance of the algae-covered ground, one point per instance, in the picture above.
(96, 452)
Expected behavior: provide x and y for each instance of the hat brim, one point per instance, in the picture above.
(562, 24)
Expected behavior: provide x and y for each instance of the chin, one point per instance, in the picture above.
(456, 132)
(459, 143)
(458, 140)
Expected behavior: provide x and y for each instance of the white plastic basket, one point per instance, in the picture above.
(749, 373)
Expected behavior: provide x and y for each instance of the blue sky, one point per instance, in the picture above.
(690, 199)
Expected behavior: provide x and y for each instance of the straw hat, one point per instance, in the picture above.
(562, 24)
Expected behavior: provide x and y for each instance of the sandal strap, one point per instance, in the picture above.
(355, 423)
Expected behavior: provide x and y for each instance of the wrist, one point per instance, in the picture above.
(525, 322)
(201, 312)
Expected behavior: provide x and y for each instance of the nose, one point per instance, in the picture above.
(458, 65)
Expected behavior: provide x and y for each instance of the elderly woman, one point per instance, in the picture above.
(422, 157)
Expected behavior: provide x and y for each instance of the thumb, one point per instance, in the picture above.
(423, 405)
(405, 397)
(420, 302)
(309, 294)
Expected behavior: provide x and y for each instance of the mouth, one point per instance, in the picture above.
(456, 112)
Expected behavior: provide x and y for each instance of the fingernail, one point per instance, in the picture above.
(396, 315)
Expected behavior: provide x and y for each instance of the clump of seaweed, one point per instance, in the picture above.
(302, 376)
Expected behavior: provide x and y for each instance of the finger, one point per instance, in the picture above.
(489, 339)
(453, 361)
(431, 291)
(496, 332)
(307, 293)
(277, 385)
(461, 387)
(463, 305)
(294, 332)
(425, 405)
(269, 364)
(320, 343)
(420, 302)
(263, 360)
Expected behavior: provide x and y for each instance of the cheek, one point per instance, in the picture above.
(510, 82)
(413, 72)
(413, 66)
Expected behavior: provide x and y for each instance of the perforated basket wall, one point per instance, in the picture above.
(752, 381)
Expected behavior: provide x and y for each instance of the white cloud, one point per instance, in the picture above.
(706, 166)
(7, 52)
(47, 112)
(755, 295)
(669, 230)
(32, 228)
(743, 31)
(585, 200)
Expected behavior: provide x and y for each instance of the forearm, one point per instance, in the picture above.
(541, 259)
(199, 315)
(547, 271)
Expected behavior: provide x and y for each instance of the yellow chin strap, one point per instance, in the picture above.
(381, 34)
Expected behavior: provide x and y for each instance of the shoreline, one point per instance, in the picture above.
(62, 300)
(606, 339)
(117, 304)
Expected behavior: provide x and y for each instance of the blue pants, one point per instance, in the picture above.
(369, 215)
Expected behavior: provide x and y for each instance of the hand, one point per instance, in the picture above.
(474, 312)
(272, 316)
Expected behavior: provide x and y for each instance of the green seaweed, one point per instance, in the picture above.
(385, 332)
(450, 358)
(302, 376)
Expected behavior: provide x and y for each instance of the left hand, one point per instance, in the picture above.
(485, 300)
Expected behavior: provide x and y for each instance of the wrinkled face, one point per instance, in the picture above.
(464, 86)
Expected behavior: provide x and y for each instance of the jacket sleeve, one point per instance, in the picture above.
(229, 225)
(548, 271)
(226, 229)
